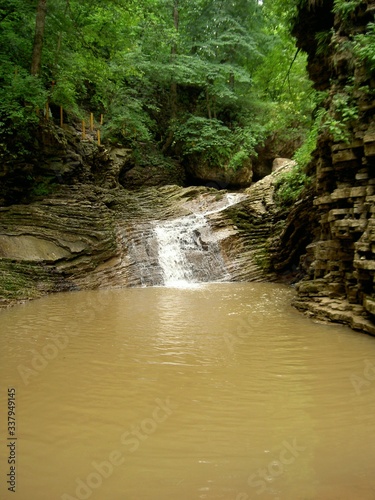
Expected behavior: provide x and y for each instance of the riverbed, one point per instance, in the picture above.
(211, 391)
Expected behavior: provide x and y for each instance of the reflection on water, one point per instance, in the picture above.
(215, 392)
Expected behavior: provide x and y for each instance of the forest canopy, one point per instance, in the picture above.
(202, 79)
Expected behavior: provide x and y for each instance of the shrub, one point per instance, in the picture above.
(290, 185)
(364, 47)
(21, 97)
(206, 137)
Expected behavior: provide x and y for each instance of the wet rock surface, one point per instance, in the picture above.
(85, 237)
(339, 263)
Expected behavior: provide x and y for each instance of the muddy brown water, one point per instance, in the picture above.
(219, 391)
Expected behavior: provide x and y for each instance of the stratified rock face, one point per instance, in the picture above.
(253, 225)
(87, 237)
(54, 242)
(139, 176)
(340, 262)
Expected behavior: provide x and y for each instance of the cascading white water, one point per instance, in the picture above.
(187, 251)
(187, 248)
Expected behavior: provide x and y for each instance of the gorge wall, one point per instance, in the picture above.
(339, 263)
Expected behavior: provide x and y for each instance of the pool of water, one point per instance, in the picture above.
(219, 391)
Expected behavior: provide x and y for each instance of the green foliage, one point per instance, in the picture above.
(147, 154)
(285, 96)
(20, 94)
(212, 85)
(364, 47)
(245, 138)
(215, 143)
(290, 185)
(324, 39)
(238, 159)
(16, 32)
(208, 138)
(43, 187)
(303, 155)
(344, 111)
(127, 120)
(21, 98)
(345, 7)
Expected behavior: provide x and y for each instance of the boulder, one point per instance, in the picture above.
(150, 175)
(282, 162)
(202, 173)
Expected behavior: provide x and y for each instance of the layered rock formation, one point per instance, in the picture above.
(84, 237)
(339, 263)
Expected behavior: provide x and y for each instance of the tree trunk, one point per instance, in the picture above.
(231, 81)
(59, 40)
(208, 101)
(173, 57)
(40, 22)
(173, 89)
(176, 18)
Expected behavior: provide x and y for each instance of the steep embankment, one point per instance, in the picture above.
(61, 156)
(339, 264)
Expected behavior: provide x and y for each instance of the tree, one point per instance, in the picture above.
(40, 22)
(197, 78)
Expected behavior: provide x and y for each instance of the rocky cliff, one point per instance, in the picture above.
(339, 263)
(61, 156)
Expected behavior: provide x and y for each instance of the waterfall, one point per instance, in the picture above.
(188, 251)
(176, 251)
